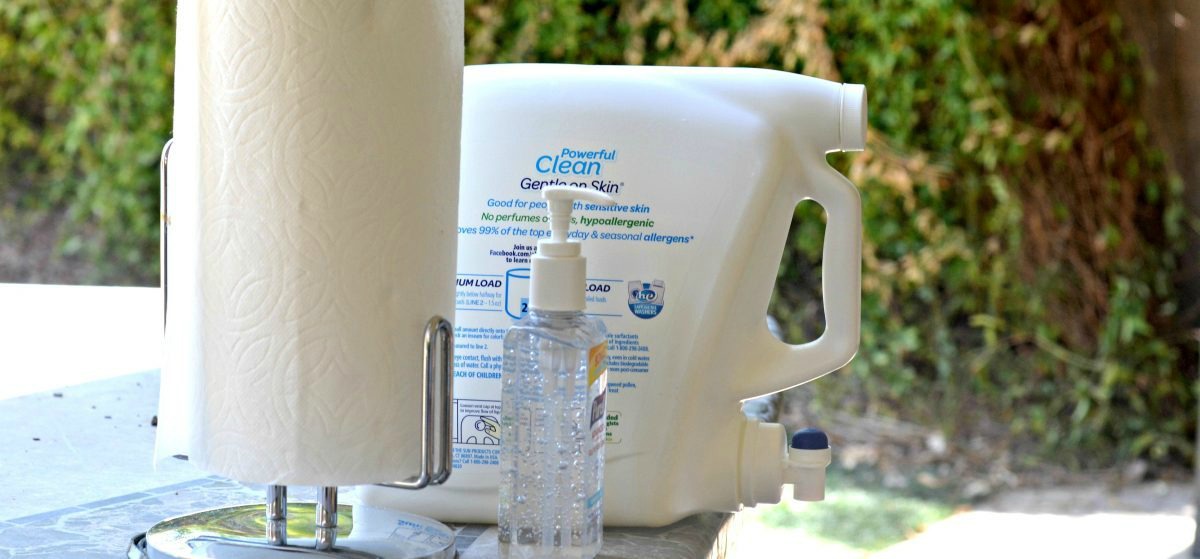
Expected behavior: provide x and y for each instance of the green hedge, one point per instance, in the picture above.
(86, 87)
(1023, 234)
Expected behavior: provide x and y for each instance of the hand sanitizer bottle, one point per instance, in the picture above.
(552, 418)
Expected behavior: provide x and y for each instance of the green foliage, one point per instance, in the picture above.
(1022, 234)
(1076, 332)
(868, 519)
(85, 109)
(1029, 286)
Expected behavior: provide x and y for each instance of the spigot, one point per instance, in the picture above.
(807, 459)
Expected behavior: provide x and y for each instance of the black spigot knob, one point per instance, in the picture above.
(810, 439)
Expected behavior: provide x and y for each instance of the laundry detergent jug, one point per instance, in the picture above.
(707, 166)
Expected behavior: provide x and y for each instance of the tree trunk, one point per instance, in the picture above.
(1168, 32)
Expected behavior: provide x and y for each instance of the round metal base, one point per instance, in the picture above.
(241, 532)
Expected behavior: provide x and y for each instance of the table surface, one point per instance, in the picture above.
(80, 483)
(103, 529)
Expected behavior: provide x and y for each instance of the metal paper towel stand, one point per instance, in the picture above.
(263, 528)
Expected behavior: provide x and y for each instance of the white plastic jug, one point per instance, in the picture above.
(707, 165)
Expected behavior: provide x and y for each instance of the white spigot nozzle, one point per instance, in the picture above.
(808, 456)
(558, 274)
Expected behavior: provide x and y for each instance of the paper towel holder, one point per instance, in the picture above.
(407, 536)
(437, 432)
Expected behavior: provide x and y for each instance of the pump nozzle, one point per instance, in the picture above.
(561, 199)
(558, 276)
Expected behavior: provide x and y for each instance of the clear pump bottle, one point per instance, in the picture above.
(552, 417)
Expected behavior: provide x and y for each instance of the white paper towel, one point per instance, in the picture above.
(312, 209)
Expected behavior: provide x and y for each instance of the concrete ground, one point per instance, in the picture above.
(74, 421)
(57, 335)
(1147, 521)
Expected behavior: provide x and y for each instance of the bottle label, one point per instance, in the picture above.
(598, 392)
(649, 241)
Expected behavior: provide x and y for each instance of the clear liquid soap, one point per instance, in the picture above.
(554, 386)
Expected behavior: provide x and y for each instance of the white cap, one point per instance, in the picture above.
(854, 117)
(558, 276)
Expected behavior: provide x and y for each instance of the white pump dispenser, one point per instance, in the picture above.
(558, 273)
(553, 416)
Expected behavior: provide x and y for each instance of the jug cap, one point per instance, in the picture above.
(558, 274)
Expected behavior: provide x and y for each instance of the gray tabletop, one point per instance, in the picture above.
(103, 529)
(79, 483)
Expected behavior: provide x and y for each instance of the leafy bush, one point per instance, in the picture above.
(862, 517)
(86, 89)
(1022, 233)
(1026, 282)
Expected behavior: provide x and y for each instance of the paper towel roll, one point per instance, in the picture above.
(312, 226)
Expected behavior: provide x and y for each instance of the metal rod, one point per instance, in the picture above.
(437, 426)
(327, 502)
(444, 375)
(277, 514)
(164, 222)
(277, 532)
(276, 502)
(327, 518)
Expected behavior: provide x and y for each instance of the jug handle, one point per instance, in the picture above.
(789, 365)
